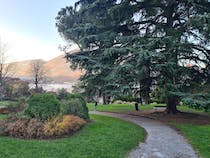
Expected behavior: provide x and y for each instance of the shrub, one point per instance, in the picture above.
(118, 102)
(42, 106)
(74, 104)
(158, 95)
(17, 128)
(21, 127)
(35, 129)
(125, 98)
(20, 89)
(75, 107)
(5, 91)
(63, 126)
(21, 100)
(62, 94)
(34, 91)
(197, 101)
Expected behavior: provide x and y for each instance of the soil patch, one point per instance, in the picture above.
(183, 117)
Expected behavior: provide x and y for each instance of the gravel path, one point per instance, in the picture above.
(161, 142)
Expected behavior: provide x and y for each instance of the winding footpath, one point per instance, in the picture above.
(161, 142)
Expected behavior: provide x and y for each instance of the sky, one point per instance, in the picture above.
(28, 28)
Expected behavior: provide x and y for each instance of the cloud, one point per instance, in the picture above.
(21, 47)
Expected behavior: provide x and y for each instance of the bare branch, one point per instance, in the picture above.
(38, 72)
(5, 68)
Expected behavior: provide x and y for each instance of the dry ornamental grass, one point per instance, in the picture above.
(36, 129)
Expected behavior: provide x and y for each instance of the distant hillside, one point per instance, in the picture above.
(58, 70)
(22, 68)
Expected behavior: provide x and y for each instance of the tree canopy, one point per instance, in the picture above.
(130, 44)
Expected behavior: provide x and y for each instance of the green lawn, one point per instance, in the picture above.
(105, 137)
(188, 109)
(119, 107)
(127, 107)
(198, 136)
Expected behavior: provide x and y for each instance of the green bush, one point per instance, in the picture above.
(42, 106)
(74, 104)
(158, 95)
(197, 101)
(118, 102)
(125, 98)
(62, 94)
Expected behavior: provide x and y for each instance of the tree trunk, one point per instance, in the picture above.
(171, 105)
(147, 97)
(104, 99)
(172, 102)
(36, 82)
(36, 86)
(144, 89)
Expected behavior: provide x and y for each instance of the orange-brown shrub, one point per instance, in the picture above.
(35, 129)
(22, 127)
(17, 128)
(59, 126)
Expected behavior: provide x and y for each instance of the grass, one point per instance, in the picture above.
(2, 116)
(119, 107)
(130, 107)
(7, 103)
(188, 109)
(198, 136)
(105, 137)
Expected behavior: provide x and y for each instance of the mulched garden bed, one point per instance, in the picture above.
(182, 117)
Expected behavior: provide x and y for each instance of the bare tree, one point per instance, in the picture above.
(38, 72)
(5, 68)
(6, 71)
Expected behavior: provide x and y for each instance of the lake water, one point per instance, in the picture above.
(54, 87)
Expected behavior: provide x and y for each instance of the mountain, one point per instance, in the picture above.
(22, 69)
(57, 70)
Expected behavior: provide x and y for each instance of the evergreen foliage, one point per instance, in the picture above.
(74, 107)
(129, 45)
(42, 106)
(73, 104)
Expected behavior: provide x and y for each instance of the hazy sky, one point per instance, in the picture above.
(28, 27)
